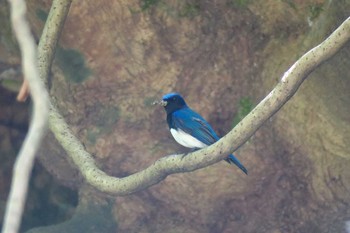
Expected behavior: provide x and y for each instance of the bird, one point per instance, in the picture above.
(190, 129)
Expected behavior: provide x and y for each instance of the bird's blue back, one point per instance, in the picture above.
(192, 123)
(180, 116)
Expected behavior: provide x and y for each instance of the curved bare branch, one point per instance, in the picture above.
(50, 35)
(283, 91)
(25, 159)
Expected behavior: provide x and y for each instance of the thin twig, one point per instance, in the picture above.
(24, 163)
(23, 91)
(284, 90)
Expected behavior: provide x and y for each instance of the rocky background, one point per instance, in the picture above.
(116, 57)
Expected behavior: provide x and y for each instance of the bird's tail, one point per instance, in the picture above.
(232, 159)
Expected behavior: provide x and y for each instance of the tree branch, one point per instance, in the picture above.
(23, 91)
(25, 159)
(284, 90)
(50, 35)
(48, 42)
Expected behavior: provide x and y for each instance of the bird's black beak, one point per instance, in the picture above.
(162, 103)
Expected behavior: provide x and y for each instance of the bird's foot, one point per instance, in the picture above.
(192, 150)
(184, 155)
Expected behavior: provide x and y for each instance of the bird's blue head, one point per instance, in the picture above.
(172, 102)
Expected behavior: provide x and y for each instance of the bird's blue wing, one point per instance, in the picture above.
(194, 124)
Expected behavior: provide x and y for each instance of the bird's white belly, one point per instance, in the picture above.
(186, 140)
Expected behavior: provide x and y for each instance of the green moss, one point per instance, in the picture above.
(190, 10)
(147, 4)
(239, 3)
(290, 3)
(41, 14)
(72, 63)
(245, 106)
(315, 10)
(107, 117)
(7, 37)
(92, 135)
(11, 85)
(103, 122)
